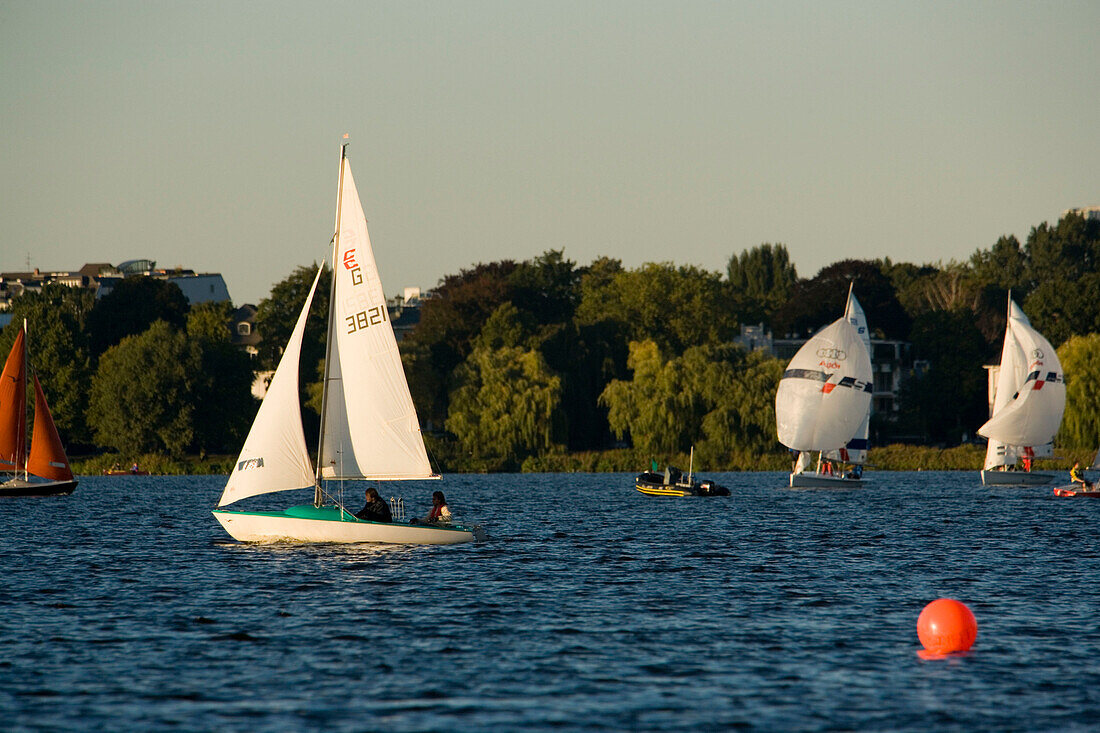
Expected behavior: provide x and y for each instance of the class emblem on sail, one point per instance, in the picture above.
(369, 427)
(1029, 397)
(824, 397)
(45, 467)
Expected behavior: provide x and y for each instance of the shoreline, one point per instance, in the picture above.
(897, 457)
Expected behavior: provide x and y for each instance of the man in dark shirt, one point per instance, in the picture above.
(376, 510)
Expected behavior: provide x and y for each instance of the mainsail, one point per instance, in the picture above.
(274, 456)
(369, 427)
(1030, 395)
(825, 392)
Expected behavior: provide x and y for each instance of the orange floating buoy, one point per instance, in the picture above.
(946, 626)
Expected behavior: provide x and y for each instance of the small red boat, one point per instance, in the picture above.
(1073, 491)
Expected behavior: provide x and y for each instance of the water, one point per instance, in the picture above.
(591, 607)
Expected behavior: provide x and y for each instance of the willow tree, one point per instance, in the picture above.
(655, 408)
(716, 398)
(507, 407)
(1080, 357)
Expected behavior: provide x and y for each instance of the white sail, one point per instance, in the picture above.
(825, 391)
(1030, 397)
(856, 449)
(274, 455)
(370, 429)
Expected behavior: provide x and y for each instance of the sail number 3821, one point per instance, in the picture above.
(364, 319)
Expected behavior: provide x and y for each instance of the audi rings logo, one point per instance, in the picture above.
(1036, 353)
(837, 354)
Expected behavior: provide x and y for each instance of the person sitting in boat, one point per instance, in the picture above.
(1076, 477)
(827, 468)
(376, 510)
(440, 513)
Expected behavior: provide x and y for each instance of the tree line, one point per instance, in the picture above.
(512, 361)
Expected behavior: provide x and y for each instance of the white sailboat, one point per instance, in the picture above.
(822, 400)
(855, 452)
(1028, 402)
(369, 428)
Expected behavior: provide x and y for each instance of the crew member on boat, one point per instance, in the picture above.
(1076, 477)
(440, 513)
(376, 510)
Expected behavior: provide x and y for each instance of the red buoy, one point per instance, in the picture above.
(946, 626)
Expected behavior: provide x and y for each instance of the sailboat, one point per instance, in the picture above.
(855, 452)
(822, 400)
(46, 462)
(369, 429)
(1028, 401)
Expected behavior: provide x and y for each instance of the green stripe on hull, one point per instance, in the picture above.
(334, 514)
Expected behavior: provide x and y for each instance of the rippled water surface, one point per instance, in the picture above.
(590, 607)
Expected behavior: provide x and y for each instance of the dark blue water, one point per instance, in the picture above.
(591, 607)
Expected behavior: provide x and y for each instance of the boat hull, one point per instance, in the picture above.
(329, 524)
(821, 481)
(19, 487)
(1016, 478)
(652, 484)
(1074, 491)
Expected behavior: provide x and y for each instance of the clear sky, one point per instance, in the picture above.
(206, 134)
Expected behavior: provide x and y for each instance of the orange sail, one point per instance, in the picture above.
(13, 407)
(47, 458)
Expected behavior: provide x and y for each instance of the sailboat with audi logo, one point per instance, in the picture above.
(823, 402)
(1028, 399)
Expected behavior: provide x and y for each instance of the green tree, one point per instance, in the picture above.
(133, 304)
(277, 314)
(222, 388)
(142, 394)
(547, 287)
(818, 302)
(449, 322)
(950, 399)
(1004, 266)
(507, 407)
(675, 307)
(1064, 252)
(1060, 309)
(741, 421)
(716, 398)
(762, 279)
(1080, 357)
(57, 342)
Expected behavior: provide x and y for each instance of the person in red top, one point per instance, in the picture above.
(440, 513)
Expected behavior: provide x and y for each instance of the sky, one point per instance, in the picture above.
(206, 134)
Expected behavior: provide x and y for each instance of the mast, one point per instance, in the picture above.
(329, 337)
(26, 369)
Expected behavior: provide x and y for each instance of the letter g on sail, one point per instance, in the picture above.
(827, 353)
